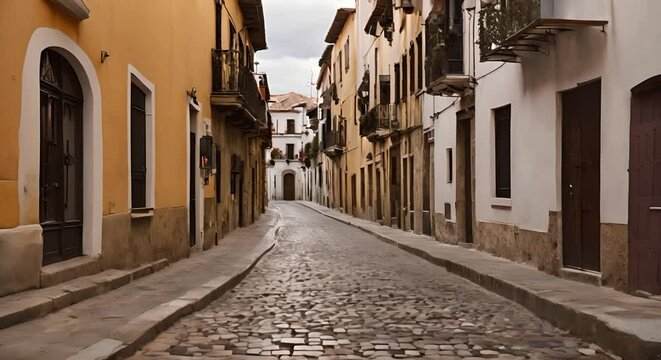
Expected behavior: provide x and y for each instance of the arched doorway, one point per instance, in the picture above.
(289, 186)
(61, 159)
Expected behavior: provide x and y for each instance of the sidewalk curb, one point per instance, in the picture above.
(125, 340)
(37, 303)
(578, 322)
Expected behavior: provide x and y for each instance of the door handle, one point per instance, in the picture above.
(655, 208)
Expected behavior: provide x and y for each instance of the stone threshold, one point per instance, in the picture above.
(33, 304)
(626, 325)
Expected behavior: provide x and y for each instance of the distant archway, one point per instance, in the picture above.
(289, 187)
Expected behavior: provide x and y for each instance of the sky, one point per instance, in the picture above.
(295, 32)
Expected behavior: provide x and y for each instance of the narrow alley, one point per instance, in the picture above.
(328, 289)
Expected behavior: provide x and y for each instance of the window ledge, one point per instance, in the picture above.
(501, 203)
(142, 213)
(74, 8)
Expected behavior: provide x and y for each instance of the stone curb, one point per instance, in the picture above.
(34, 304)
(127, 339)
(579, 322)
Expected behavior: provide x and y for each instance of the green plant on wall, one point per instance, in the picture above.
(277, 154)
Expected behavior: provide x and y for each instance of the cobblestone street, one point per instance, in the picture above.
(328, 289)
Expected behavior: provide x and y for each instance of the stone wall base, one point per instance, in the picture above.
(445, 231)
(615, 256)
(538, 249)
(21, 254)
(130, 242)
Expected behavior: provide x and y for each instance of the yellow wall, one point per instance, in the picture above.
(169, 42)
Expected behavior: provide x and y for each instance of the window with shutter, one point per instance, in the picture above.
(138, 148)
(503, 151)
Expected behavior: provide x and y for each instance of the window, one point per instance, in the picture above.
(376, 75)
(138, 148)
(291, 126)
(290, 151)
(397, 84)
(448, 153)
(412, 68)
(346, 56)
(420, 65)
(339, 62)
(502, 132)
(140, 116)
(219, 26)
(405, 74)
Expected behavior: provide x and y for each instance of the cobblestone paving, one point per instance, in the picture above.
(331, 291)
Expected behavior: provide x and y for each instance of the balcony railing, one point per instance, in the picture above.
(379, 122)
(511, 26)
(334, 138)
(445, 55)
(231, 78)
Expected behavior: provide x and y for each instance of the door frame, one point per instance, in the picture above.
(29, 160)
(195, 124)
(562, 189)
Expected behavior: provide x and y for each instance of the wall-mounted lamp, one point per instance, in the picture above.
(193, 94)
(104, 56)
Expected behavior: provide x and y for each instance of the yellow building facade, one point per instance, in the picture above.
(374, 83)
(118, 145)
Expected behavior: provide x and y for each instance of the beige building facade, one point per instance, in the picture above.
(382, 169)
(122, 145)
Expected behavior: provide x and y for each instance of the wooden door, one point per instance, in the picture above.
(394, 185)
(61, 164)
(379, 211)
(581, 151)
(464, 204)
(645, 188)
(192, 191)
(289, 187)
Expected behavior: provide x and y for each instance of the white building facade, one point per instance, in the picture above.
(549, 154)
(287, 175)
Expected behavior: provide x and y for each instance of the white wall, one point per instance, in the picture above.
(622, 56)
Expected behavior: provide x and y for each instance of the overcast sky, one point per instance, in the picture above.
(295, 32)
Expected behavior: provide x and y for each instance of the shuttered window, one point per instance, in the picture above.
(291, 126)
(503, 151)
(290, 151)
(397, 84)
(138, 148)
(405, 75)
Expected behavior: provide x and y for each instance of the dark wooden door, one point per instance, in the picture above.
(289, 187)
(394, 185)
(192, 193)
(581, 149)
(464, 204)
(645, 188)
(379, 211)
(61, 164)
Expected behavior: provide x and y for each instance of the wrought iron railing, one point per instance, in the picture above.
(504, 18)
(232, 78)
(382, 117)
(334, 138)
(445, 44)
